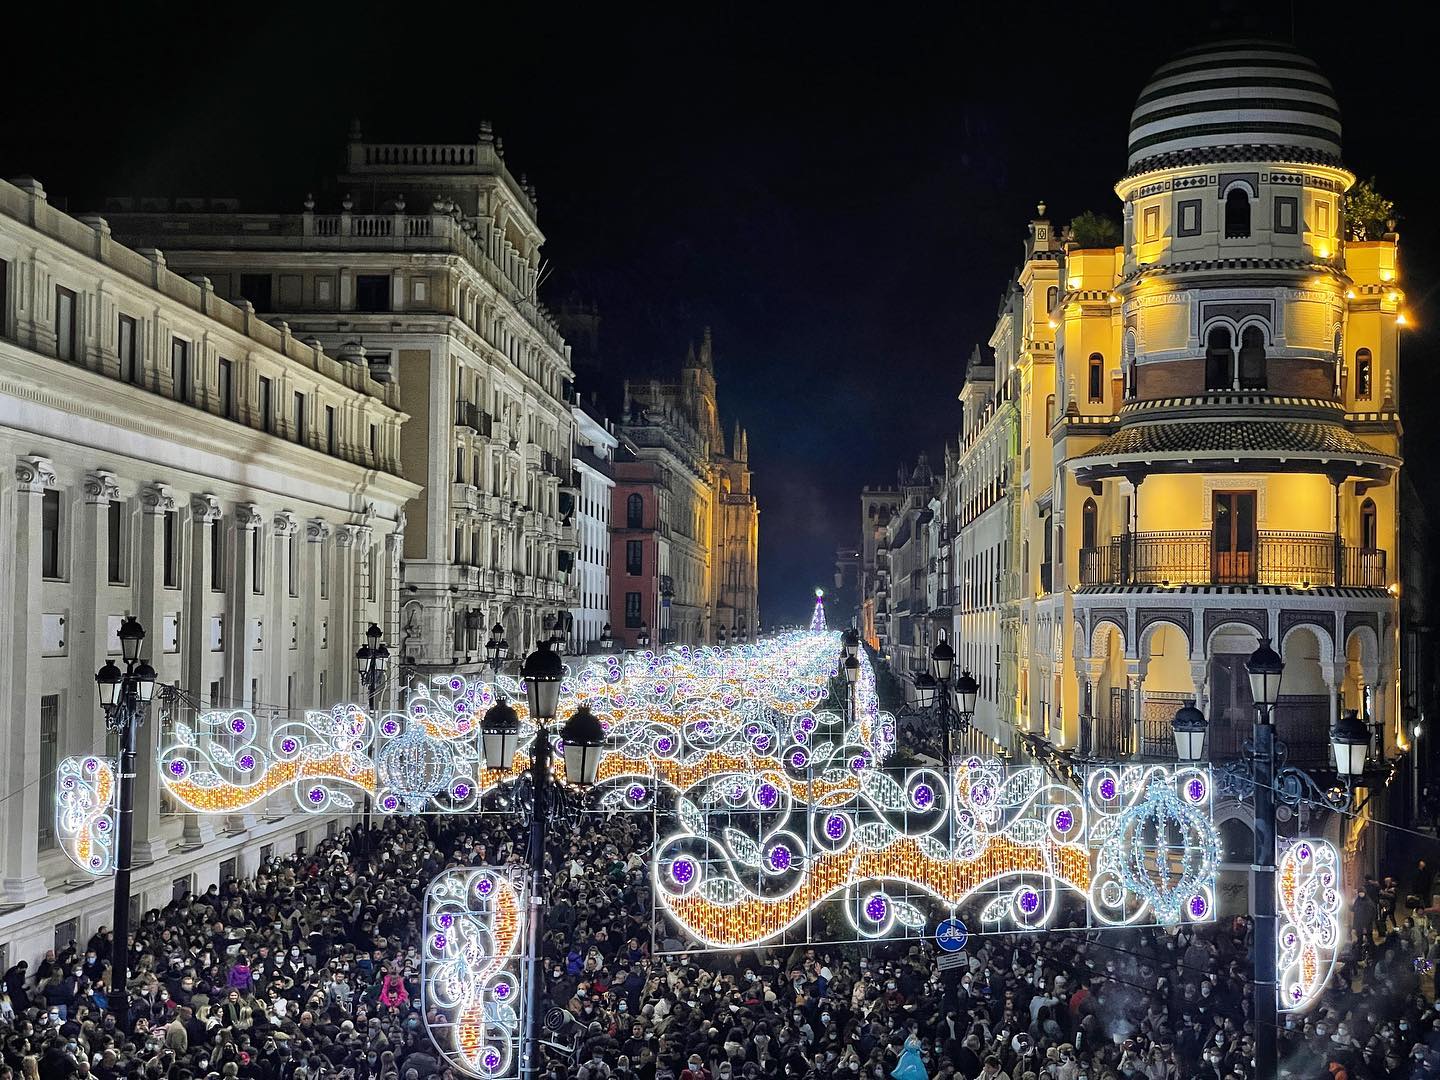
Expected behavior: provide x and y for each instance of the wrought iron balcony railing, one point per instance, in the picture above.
(1201, 557)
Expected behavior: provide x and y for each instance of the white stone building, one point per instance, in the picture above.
(428, 273)
(594, 461)
(168, 456)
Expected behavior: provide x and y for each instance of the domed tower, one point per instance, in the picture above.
(1230, 428)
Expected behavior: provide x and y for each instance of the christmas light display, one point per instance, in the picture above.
(471, 976)
(1308, 888)
(817, 620)
(85, 812)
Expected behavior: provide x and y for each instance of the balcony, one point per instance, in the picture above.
(603, 466)
(1200, 557)
(1301, 720)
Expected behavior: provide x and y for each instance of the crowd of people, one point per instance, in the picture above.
(310, 968)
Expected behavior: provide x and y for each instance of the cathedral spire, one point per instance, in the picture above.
(744, 453)
(706, 352)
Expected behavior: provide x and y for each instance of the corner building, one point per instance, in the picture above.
(1208, 433)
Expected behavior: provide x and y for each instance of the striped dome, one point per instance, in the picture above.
(1210, 100)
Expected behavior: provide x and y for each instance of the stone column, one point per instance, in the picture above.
(242, 665)
(314, 628)
(88, 622)
(1199, 679)
(20, 880)
(1134, 678)
(156, 500)
(281, 613)
(344, 636)
(205, 516)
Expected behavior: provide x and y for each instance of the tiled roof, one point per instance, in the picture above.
(1244, 437)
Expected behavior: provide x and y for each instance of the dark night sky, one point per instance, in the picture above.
(840, 193)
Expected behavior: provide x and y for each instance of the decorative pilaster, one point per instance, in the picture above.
(153, 603)
(316, 561)
(205, 516)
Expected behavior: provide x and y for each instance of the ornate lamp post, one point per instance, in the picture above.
(851, 666)
(583, 739)
(497, 649)
(371, 660)
(851, 642)
(123, 697)
(607, 640)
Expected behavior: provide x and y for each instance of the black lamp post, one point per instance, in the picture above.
(1266, 669)
(1190, 727)
(607, 640)
(583, 739)
(371, 660)
(851, 642)
(123, 697)
(851, 667)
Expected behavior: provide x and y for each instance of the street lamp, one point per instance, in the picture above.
(966, 691)
(720, 637)
(497, 648)
(583, 738)
(1266, 670)
(1350, 739)
(942, 659)
(1190, 727)
(371, 660)
(851, 667)
(851, 642)
(123, 697)
(607, 640)
(924, 690)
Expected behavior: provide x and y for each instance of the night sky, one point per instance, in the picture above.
(841, 193)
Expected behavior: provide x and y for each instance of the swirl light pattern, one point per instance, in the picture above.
(472, 978)
(85, 812)
(1308, 887)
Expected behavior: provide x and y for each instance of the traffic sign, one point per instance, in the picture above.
(951, 935)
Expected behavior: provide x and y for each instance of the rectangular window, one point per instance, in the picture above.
(50, 534)
(257, 563)
(1362, 378)
(1286, 211)
(125, 346)
(330, 430)
(254, 695)
(49, 760)
(293, 558)
(634, 558)
(632, 610)
(1322, 218)
(300, 434)
(172, 549)
(64, 323)
(374, 445)
(4, 298)
(256, 288)
(217, 557)
(226, 383)
(114, 529)
(180, 368)
(1189, 218)
(215, 700)
(372, 292)
(229, 870)
(266, 404)
(324, 579)
(1152, 222)
(1097, 378)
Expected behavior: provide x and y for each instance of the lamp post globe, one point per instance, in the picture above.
(108, 681)
(966, 691)
(145, 677)
(607, 640)
(542, 673)
(584, 738)
(1190, 727)
(500, 735)
(131, 635)
(1265, 668)
(852, 670)
(924, 690)
(1350, 739)
(942, 659)
(363, 655)
(851, 641)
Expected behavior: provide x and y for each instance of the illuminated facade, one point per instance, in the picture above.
(705, 524)
(594, 461)
(426, 273)
(168, 457)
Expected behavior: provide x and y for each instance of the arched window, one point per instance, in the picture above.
(1362, 375)
(1368, 531)
(1237, 213)
(634, 511)
(1052, 297)
(1097, 377)
(1089, 524)
(1220, 359)
(1252, 358)
(1049, 412)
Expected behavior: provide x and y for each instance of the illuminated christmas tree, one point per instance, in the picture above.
(817, 621)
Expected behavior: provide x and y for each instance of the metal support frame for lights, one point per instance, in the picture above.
(123, 698)
(582, 737)
(371, 660)
(1262, 775)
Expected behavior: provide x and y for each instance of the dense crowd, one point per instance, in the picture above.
(309, 970)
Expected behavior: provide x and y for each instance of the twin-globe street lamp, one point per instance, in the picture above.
(497, 649)
(123, 697)
(1350, 741)
(581, 740)
(932, 689)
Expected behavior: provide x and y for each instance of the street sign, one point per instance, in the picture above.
(952, 960)
(951, 935)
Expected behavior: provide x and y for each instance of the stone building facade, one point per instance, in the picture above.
(169, 456)
(425, 273)
(594, 462)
